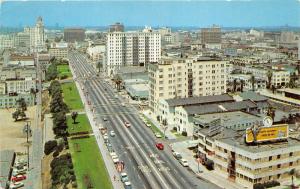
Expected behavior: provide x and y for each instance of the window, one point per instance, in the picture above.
(291, 153)
(291, 164)
(278, 166)
(270, 158)
(278, 156)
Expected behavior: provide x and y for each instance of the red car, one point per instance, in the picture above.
(127, 124)
(18, 178)
(159, 146)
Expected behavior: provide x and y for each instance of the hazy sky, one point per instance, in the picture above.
(235, 13)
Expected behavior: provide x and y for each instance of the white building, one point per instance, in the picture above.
(37, 36)
(59, 50)
(20, 85)
(96, 52)
(180, 78)
(247, 81)
(6, 41)
(131, 48)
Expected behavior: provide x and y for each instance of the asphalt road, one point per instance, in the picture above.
(146, 166)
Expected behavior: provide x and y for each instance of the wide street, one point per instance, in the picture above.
(146, 166)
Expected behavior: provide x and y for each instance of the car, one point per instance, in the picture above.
(177, 155)
(127, 124)
(104, 119)
(124, 177)
(113, 154)
(18, 178)
(184, 162)
(148, 124)
(112, 133)
(158, 135)
(116, 160)
(16, 185)
(123, 104)
(127, 185)
(159, 146)
(105, 137)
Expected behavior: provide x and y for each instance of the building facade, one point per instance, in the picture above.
(181, 78)
(117, 27)
(211, 37)
(74, 34)
(37, 36)
(131, 48)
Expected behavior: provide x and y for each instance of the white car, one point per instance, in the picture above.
(158, 135)
(112, 133)
(116, 160)
(184, 162)
(16, 185)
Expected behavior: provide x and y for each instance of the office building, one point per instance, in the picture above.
(72, 35)
(37, 36)
(211, 37)
(185, 77)
(131, 48)
(117, 27)
(59, 50)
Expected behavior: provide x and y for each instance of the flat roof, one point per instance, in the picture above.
(294, 91)
(236, 138)
(199, 100)
(226, 117)
(252, 96)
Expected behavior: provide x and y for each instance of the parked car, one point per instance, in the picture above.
(177, 155)
(104, 119)
(18, 178)
(158, 135)
(127, 124)
(124, 177)
(184, 162)
(159, 146)
(16, 185)
(116, 160)
(127, 185)
(112, 133)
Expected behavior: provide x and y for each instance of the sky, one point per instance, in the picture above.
(196, 13)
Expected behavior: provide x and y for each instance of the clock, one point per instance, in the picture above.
(267, 121)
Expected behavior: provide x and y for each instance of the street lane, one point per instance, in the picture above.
(136, 145)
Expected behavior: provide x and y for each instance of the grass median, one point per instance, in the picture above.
(81, 124)
(88, 164)
(64, 70)
(153, 127)
(71, 96)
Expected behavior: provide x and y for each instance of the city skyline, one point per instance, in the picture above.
(153, 13)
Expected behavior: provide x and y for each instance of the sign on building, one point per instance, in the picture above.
(262, 134)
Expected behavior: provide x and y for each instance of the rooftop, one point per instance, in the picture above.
(293, 91)
(199, 100)
(250, 95)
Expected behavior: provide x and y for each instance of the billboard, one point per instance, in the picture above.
(261, 134)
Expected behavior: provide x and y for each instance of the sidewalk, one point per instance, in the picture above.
(211, 176)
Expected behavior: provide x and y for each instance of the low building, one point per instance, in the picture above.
(59, 50)
(20, 85)
(249, 164)
(96, 53)
(7, 101)
(248, 82)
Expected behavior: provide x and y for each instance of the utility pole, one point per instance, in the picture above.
(27, 130)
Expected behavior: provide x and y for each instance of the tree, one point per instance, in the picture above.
(292, 173)
(118, 81)
(99, 66)
(52, 72)
(273, 89)
(253, 82)
(22, 104)
(269, 76)
(234, 85)
(59, 124)
(242, 85)
(50, 146)
(74, 116)
(15, 115)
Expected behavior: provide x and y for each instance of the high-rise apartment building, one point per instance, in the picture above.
(131, 48)
(180, 78)
(74, 34)
(117, 27)
(211, 37)
(37, 35)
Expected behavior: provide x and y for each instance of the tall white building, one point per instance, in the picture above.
(37, 35)
(180, 78)
(131, 48)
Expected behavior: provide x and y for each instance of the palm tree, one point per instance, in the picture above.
(242, 85)
(269, 76)
(253, 82)
(118, 81)
(292, 173)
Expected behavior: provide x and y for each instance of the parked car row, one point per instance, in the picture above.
(181, 160)
(18, 174)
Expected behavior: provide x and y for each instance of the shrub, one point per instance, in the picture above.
(50, 146)
(184, 133)
(73, 178)
(63, 77)
(56, 153)
(175, 129)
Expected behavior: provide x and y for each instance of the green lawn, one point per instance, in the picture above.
(87, 160)
(71, 96)
(82, 124)
(64, 70)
